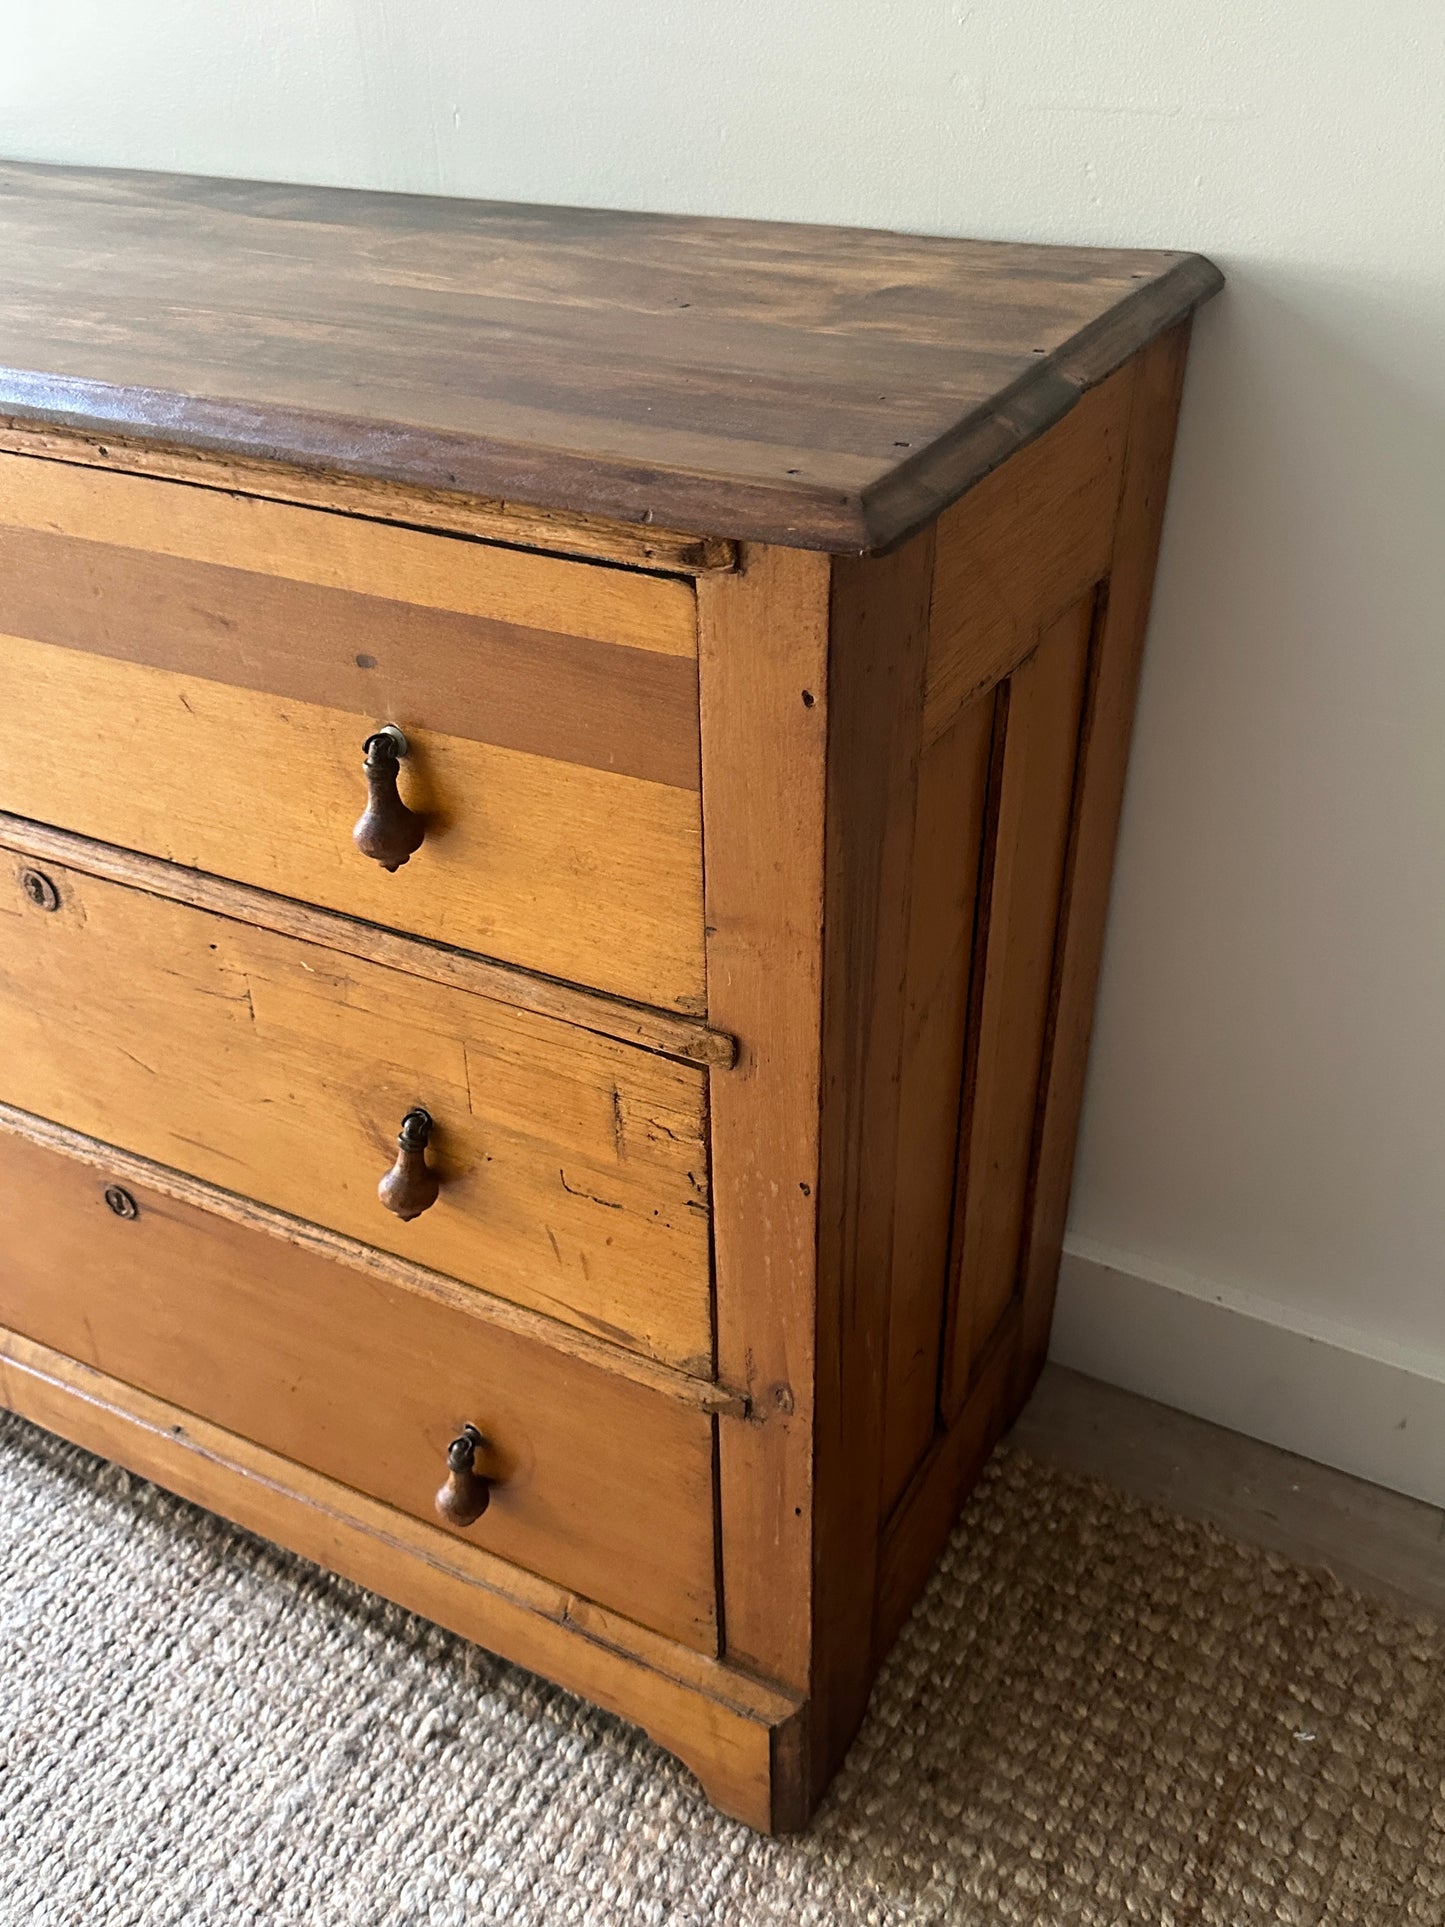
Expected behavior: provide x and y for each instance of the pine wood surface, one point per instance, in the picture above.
(1103, 759)
(1003, 1371)
(125, 1168)
(691, 1039)
(924, 899)
(551, 709)
(1005, 567)
(543, 596)
(764, 670)
(343, 1373)
(574, 1168)
(1036, 733)
(454, 512)
(942, 919)
(821, 387)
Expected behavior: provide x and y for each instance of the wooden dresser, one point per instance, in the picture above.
(558, 788)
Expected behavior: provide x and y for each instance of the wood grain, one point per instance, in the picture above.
(948, 847)
(1001, 1374)
(453, 512)
(687, 1038)
(1103, 758)
(1036, 752)
(354, 557)
(366, 1384)
(808, 386)
(1021, 547)
(579, 873)
(764, 666)
(563, 698)
(728, 1727)
(925, 1515)
(878, 654)
(125, 1168)
(574, 1168)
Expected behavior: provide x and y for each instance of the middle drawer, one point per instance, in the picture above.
(573, 1167)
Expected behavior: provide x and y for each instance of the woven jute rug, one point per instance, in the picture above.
(1099, 1715)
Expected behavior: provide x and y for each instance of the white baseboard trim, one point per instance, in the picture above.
(1325, 1393)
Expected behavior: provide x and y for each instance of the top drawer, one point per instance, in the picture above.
(193, 674)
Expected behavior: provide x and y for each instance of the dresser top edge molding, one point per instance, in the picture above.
(812, 387)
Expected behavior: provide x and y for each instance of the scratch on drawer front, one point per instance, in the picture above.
(149, 1069)
(580, 1191)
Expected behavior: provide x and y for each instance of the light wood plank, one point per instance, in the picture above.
(1012, 1355)
(125, 1168)
(690, 1039)
(574, 1168)
(573, 699)
(485, 518)
(579, 873)
(763, 660)
(926, 1513)
(1015, 552)
(278, 539)
(1104, 752)
(877, 657)
(953, 788)
(1030, 836)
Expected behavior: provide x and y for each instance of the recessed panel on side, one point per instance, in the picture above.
(1030, 812)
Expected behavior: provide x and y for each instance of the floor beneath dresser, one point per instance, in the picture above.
(1104, 1711)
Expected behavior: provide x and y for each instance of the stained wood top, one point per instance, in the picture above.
(827, 388)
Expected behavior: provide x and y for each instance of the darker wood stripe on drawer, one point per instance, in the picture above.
(601, 705)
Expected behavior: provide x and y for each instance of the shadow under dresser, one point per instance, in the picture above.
(556, 815)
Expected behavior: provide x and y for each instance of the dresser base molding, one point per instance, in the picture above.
(741, 1737)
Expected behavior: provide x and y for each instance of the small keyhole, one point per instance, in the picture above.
(121, 1202)
(40, 890)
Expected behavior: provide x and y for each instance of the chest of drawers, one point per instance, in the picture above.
(556, 805)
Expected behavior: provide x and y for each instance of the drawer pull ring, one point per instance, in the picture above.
(410, 1186)
(386, 830)
(467, 1492)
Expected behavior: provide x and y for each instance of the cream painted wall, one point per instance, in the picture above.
(1266, 1115)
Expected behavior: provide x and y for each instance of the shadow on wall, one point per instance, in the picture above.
(1266, 1108)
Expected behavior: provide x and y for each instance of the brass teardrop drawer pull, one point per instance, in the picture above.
(387, 831)
(410, 1186)
(467, 1493)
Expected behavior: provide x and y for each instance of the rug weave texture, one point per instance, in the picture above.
(1099, 1715)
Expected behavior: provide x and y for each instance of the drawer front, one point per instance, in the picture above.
(573, 1168)
(193, 675)
(602, 1485)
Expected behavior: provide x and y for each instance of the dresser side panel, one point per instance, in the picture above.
(989, 1377)
(1103, 762)
(877, 657)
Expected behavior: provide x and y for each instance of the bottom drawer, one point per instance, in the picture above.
(600, 1484)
